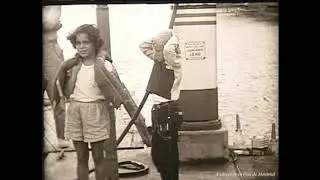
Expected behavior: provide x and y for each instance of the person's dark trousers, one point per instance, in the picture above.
(165, 156)
(174, 175)
(82, 150)
(164, 150)
(59, 113)
(52, 58)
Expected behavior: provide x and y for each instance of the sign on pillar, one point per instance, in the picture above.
(195, 26)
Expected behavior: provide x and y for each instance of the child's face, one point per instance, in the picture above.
(84, 46)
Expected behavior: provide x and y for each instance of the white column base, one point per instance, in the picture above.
(203, 145)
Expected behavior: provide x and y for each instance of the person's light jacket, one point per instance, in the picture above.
(163, 80)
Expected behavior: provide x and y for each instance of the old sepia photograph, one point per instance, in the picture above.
(185, 91)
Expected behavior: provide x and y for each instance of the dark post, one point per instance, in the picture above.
(111, 160)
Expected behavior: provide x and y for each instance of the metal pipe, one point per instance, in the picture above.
(136, 114)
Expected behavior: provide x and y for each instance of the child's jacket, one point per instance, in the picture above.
(67, 77)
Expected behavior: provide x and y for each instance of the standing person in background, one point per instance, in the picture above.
(164, 83)
(164, 50)
(52, 58)
(84, 80)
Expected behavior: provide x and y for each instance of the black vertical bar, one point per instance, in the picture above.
(104, 26)
(173, 16)
(110, 162)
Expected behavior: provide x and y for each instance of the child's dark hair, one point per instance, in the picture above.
(93, 34)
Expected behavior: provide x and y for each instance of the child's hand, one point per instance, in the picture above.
(101, 58)
(108, 66)
(102, 55)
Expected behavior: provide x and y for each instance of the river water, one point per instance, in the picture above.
(247, 60)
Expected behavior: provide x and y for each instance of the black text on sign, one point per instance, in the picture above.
(195, 50)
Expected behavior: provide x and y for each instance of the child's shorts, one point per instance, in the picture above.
(87, 121)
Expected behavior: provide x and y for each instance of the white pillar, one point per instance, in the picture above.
(201, 136)
(195, 25)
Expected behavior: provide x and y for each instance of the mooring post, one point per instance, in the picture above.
(111, 160)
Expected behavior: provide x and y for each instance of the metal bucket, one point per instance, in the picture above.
(265, 167)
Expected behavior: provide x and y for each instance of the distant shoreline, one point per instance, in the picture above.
(261, 12)
(253, 4)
